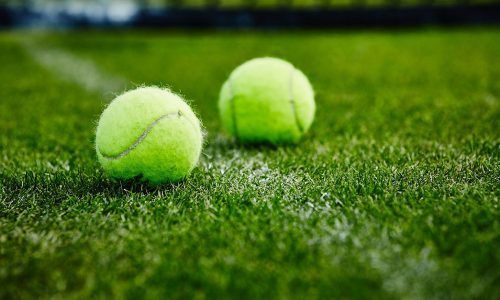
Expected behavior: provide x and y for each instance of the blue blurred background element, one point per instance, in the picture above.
(246, 13)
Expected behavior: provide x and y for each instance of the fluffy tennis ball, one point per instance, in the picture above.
(151, 133)
(267, 100)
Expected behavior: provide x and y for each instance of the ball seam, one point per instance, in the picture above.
(143, 136)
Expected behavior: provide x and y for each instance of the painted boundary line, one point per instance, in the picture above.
(71, 68)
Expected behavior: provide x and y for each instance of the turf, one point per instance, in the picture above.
(393, 194)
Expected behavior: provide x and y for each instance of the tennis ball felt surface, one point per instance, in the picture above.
(148, 132)
(267, 100)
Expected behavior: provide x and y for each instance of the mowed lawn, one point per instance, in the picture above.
(394, 193)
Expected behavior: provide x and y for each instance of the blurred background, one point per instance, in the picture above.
(246, 13)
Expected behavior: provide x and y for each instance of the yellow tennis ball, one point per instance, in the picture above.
(150, 133)
(267, 100)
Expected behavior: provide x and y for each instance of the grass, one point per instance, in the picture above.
(393, 194)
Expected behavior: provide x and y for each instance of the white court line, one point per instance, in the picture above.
(71, 68)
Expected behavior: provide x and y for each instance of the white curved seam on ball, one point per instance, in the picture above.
(142, 136)
(232, 106)
(196, 126)
(292, 100)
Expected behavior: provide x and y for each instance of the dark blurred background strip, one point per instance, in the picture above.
(247, 13)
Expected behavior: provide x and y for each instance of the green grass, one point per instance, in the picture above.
(393, 194)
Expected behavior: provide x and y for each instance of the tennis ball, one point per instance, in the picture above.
(151, 133)
(267, 100)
